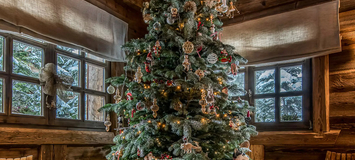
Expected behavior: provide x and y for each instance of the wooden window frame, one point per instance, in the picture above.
(48, 117)
(306, 93)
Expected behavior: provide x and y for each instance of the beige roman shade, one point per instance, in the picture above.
(290, 36)
(74, 22)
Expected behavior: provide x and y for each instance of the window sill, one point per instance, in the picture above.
(294, 137)
(13, 136)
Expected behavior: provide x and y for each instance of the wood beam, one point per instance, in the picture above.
(294, 138)
(138, 4)
(26, 136)
(46, 152)
(320, 71)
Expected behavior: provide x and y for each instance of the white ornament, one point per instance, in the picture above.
(212, 58)
(170, 20)
(111, 89)
(156, 25)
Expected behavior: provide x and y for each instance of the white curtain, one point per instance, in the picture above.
(290, 36)
(74, 22)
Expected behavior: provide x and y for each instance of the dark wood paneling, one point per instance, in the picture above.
(46, 152)
(347, 5)
(86, 153)
(16, 152)
(60, 152)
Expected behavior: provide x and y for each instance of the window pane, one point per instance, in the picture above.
(70, 67)
(94, 77)
(265, 81)
(68, 105)
(94, 57)
(291, 78)
(2, 49)
(71, 50)
(93, 103)
(27, 59)
(265, 110)
(1, 95)
(26, 98)
(291, 109)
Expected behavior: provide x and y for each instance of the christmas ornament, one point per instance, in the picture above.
(146, 16)
(231, 10)
(117, 97)
(149, 156)
(174, 13)
(225, 90)
(147, 67)
(210, 3)
(129, 96)
(155, 108)
(224, 58)
(149, 58)
(140, 106)
(212, 58)
(200, 73)
(170, 20)
(169, 83)
(119, 154)
(186, 63)
(107, 123)
(133, 112)
(188, 147)
(188, 47)
(222, 7)
(165, 156)
(248, 119)
(199, 49)
(157, 26)
(111, 89)
(210, 96)
(203, 101)
(178, 105)
(212, 109)
(139, 52)
(213, 28)
(190, 6)
(157, 49)
(234, 69)
(147, 103)
(138, 75)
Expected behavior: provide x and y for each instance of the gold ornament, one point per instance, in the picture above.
(186, 63)
(188, 47)
(117, 97)
(188, 147)
(225, 90)
(146, 16)
(155, 108)
(178, 105)
(111, 89)
(222, 7)
(174, 13)
(210, 3)
(203, 101)
(107, 123)
(190, 6)
(138, 75)
(200, 73)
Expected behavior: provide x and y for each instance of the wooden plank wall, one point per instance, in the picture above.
(341, 100)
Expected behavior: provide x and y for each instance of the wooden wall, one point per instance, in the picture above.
(342, 99)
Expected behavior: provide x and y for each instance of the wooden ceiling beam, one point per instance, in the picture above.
(137, 4)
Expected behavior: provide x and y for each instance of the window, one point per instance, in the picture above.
(21, 97)
(280, 95)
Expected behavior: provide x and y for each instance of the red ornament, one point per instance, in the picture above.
(234, 69)
(248, 114)
(129, 96)
(199, 25)
(147, 65)
(138, 153)
(157, 49)
(199, 49)
(132, 113)
(224, 58)
(169, 83)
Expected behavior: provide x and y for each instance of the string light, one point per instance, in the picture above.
(123, 137)
(217, 115)
(149, 121)
(225, 115)
(178, 122)
(224, 146)
(163, 125)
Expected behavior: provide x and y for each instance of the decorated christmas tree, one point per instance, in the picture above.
(182, 101)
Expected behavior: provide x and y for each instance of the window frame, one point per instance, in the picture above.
(306, 93)
(48, 116)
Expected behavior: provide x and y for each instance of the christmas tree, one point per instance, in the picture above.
(179, 104)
